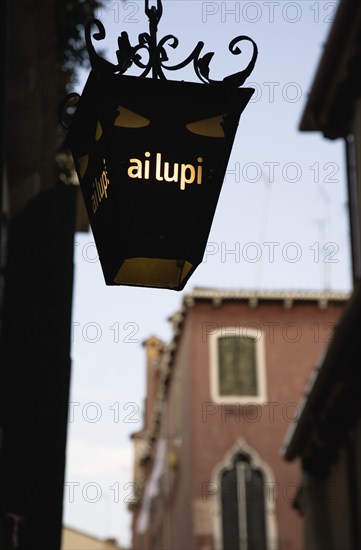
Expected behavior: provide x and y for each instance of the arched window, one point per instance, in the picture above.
(245, 503)
(243, 506)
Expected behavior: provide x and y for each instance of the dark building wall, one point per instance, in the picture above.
(327, 436)
(32, 95)
(327, 507)
(37, 277)
(327, 440)
(35, 361)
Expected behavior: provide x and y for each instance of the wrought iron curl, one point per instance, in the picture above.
(157, 56)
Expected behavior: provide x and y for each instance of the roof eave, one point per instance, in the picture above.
(336, 85)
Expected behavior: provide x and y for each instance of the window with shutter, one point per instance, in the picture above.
(237, 366)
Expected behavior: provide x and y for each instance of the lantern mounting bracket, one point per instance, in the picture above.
(156, 64)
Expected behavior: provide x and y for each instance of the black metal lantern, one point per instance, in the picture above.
(151, 155)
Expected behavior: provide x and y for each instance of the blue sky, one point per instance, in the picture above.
(281, 223)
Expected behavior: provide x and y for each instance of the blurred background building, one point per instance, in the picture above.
(220, 396)
(72, 539)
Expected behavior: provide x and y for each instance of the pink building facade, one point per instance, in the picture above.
(220, 398)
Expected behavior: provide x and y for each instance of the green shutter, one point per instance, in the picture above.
(237, 366)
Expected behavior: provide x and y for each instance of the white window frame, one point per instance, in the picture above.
(245, 332)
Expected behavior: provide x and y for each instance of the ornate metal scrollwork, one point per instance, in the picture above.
(156, 63)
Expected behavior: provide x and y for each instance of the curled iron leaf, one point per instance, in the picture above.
(124, 52)
(237, 79)
(203, 64)
(97, 62)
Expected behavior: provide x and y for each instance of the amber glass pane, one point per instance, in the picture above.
(156, 272)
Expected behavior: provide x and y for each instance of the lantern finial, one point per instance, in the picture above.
(156, 63)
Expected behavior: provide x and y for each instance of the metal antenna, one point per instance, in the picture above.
(325, 266)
